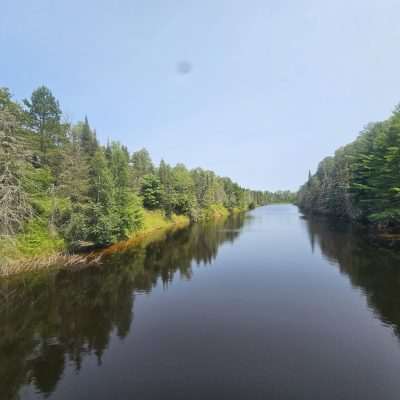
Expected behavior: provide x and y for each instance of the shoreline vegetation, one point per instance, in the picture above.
(155, 228)
(62, 192)
(361, 182)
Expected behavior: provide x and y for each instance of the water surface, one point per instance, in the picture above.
(264, 306)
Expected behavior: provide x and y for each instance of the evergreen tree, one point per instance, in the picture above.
(76, 190)
(141, 165)
(44, 117)
(101, 216)
(88, 139)
(362, 180)
(151, 192)
(73, 180)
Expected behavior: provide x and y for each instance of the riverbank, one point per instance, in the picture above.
(376, 235)
(155, 227)
(13, 261)
(230, 284)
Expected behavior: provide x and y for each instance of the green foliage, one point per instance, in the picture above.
(213, 211)
(101, 185)
(125, 204)
(73, 181)
(86, 137)
(101, 224)
(362, 180)
(157, 220)
(44, 115)
(252, 206)
(65, 190)
(135, 213)
(38, 239)
(151, 192)
(113, 211)
(141, 163)
(180, 187)
(76, 229)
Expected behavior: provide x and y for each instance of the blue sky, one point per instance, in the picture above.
(274, 87)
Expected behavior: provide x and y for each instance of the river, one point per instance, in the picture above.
(267, 305)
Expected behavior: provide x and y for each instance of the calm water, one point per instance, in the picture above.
(267, 306)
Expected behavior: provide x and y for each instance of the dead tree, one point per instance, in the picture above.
(15, 207)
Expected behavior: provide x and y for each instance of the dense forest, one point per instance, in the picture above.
(361, 181)
(59, 187)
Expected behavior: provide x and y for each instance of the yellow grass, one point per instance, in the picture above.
(156, 226)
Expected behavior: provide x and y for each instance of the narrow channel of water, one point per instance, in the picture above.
(264, 306)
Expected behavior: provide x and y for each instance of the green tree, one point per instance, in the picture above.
(362, 180)
(141, 165)
(87, 137)
(44, 117)
(151, 192)
(73, 181)
(124, 200)
(100, 225)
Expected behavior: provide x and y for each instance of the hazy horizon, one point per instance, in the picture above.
(259, 91)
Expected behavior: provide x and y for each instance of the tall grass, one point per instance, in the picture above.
(41, 251)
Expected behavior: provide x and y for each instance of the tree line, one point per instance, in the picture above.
(361, 181)
(59, 187)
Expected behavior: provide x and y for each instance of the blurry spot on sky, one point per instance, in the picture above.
(184, 67)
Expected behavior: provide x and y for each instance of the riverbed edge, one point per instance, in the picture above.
(158, 226)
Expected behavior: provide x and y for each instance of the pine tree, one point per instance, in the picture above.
(44, 117)
(88, 139)
(151, 192)
(101, 216)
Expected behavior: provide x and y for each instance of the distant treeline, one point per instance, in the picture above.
(59, 186)
(362, 180)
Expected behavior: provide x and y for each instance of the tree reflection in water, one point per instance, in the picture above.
(375, 270)
(51, 319)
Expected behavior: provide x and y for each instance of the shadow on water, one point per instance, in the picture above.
(374, 270)
(52, 320)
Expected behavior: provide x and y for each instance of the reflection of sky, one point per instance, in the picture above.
(264, 311)
(268, 87)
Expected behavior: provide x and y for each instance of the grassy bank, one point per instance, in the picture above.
(214, 211)
(156, 226)
(156, 220)
(39, 249)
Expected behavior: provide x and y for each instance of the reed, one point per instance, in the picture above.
(155, 230)
(40, 263)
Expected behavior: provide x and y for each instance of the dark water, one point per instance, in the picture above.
(268, 306)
